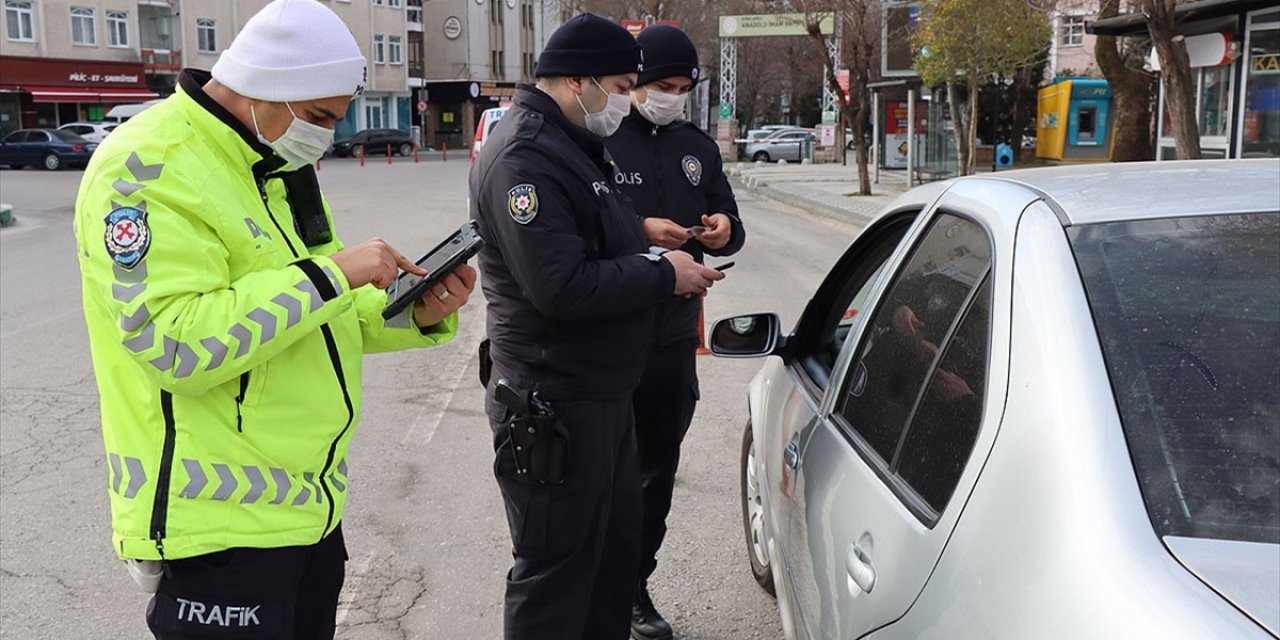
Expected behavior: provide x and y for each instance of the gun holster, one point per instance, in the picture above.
(539, 443)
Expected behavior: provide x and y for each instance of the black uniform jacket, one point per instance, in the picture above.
(565, 268)
(674, 172)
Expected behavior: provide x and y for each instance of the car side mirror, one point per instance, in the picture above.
(749, 336)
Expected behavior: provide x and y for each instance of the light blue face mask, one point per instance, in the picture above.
(606, 121)
(301, 144)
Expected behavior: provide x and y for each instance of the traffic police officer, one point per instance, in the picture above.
(671, 170)
(572, 286)
(227, 324)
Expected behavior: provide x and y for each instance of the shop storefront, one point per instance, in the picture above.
(45, 92)
(1234, 49)
(453, 108)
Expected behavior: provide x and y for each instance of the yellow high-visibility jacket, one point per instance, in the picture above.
(227, 352)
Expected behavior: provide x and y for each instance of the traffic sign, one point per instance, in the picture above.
(422, 106)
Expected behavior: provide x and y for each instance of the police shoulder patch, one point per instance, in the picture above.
(522, 203)
(692, 167)
(127, 237)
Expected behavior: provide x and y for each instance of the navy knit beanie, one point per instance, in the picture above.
(668, 53)
(588, 45)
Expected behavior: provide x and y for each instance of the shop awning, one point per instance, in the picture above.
(75, 94)
(1135, 24)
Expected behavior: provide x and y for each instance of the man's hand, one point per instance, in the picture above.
(373, 262)
(719, 231)
(445, 297)
(691, 277)
(665, 233)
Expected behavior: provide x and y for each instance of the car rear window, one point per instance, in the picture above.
(1188, 311)
(67, 136)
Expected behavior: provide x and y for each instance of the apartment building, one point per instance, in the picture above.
(65, 60)
(1071, 52)
(476, 51)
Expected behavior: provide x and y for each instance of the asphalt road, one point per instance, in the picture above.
(425, 528)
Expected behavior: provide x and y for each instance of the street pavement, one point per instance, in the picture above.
(425, 528)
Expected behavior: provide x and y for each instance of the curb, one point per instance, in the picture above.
(758, 187)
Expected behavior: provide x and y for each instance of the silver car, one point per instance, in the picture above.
(1038, 404)
(785, 144)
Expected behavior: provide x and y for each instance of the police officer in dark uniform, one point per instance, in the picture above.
(671, 170)
(572, 287)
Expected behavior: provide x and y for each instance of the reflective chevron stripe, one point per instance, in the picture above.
(266, 321)
(217, 352)
(143, 172)
(340, 485)
(114, 460)
(240, 333)
(292, 306)
(258, 483)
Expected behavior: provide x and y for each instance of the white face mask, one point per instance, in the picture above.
(301, 144)
(607, 121)
(662, 108)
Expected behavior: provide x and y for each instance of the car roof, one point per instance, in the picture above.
(1110, 192)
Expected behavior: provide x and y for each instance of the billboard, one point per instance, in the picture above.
(772, 24)
(897, 56)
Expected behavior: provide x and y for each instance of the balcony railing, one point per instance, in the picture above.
(162, 61)
(413, 15)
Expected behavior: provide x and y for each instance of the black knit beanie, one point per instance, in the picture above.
(588, 45)
(668, 53)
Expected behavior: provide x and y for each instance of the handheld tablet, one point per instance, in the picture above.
(438, 263)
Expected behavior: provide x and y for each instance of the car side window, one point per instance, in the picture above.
(830, 318)
(38, 136)
(945, 425)
(16, 136)
(901, 346)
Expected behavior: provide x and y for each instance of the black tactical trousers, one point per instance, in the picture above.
(576, 544)
(664, 404)
(288, 593)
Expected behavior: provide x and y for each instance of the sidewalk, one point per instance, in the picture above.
(821, 189)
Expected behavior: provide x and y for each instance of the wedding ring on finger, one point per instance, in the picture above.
(443, 296)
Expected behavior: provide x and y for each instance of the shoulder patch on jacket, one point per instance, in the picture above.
(522, 203)
(127, 237)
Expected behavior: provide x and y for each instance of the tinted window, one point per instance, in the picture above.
(901, 346)
(67, 136)
(38, 136)
(1188, 311)
(16, 136)
(945, 425)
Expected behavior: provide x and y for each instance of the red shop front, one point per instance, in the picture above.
(47, 92)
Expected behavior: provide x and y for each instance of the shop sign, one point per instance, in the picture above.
(72, 73)
(776, 24)
(1265, 63)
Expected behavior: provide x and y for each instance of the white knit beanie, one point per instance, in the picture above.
(293, 50)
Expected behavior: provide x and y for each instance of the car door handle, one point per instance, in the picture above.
(791, 454)
(858, 564)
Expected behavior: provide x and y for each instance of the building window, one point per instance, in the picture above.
(395, 49)
(1070, 31)
(377, 2)
(379, 49)
(118, 29)
(373, 113)
(207, 35)
(395, 3)
(413, 14)
(19, 23)
(1261, 134)
(83, 30)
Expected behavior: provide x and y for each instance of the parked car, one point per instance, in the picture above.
(782, 145)
(49, 148)
(488, 120)
(763, 132)
(375, 142)
(1043, 404)
(91, 131)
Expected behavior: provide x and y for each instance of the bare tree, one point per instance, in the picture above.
(1121, 62)
(1175, 75)
(859, 31)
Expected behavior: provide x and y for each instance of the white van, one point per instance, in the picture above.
(123, 112)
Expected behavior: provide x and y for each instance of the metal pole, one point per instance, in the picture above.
(875, 133)
(911, 138)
